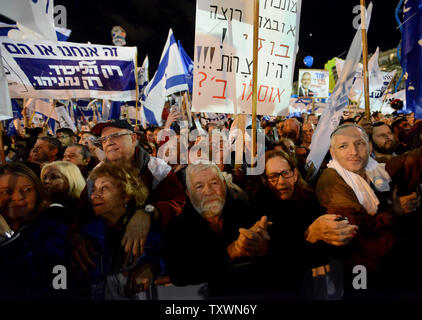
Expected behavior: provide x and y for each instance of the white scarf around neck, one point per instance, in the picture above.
(366, 196)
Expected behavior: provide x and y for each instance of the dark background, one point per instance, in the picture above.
(147, 23)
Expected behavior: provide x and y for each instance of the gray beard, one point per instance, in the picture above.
(207, 213)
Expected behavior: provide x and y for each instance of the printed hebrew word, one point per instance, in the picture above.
(277, 68)
(111, 51)
(227, 61)
(285, 5)
(263, 91)
(45, 50)
(89, 82)
(269, 24)
(223, 11)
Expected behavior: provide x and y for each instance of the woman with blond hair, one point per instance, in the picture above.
(64, 182)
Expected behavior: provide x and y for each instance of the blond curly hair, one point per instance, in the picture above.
(128, 179)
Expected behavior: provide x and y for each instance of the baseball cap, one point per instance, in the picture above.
(117, 123)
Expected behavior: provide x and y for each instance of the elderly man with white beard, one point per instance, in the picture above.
(213, 235)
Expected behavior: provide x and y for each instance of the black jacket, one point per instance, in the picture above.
(196, 254)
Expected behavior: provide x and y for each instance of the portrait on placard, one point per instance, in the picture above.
(313, 83)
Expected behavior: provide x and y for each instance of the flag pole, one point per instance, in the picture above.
(137, 90)
(24, 114)
(365, 58)
(188, 105)
(255, 76)
(2, 154)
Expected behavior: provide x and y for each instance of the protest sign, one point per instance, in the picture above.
(313, 83)
(44, 69)
(223, 55)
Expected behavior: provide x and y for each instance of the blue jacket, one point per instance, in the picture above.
(110, 258)
(28, 259)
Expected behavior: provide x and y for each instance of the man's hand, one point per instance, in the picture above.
(140, 279)
(82, 250)
(406, 204)
(136, 234)
(251, 242)
(325, 228)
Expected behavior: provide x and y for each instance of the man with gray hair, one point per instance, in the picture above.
(214, 232)
(357, 187)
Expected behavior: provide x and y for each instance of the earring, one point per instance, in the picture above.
(125, 204)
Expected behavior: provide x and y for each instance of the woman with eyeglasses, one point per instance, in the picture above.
(290, 204)
(116, 194)
(32, 237)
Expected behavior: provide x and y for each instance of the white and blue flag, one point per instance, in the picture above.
(37, 16)
(187, 66)
(339, 99)
(5, 103)
(169, 78)
(12, 31)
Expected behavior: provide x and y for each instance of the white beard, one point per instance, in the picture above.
(211, 209)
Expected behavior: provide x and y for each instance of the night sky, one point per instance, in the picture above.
(147, 23)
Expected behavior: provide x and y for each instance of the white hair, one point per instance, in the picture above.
(345, 126)
(198, 166)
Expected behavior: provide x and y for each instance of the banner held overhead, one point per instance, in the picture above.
(223, 56)
(65, 70)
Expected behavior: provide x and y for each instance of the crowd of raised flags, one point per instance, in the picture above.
(175, 74)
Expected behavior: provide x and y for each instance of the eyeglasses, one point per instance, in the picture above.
(113, 136)
(63, 136)
(274, 177)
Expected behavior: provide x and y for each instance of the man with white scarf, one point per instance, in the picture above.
(357, 187)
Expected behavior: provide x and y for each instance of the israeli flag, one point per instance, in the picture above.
(45, 107)
(115, 110)
(16, 109)
(12, 31)
(5, 103)
(187, 66)
(411, 55)
(169, 78)
(83, 109)
(143, 74)
(339, 99)
(37, 16)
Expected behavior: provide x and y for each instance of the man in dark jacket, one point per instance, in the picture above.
(213, 236)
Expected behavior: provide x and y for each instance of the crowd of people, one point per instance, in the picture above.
(120, 217)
